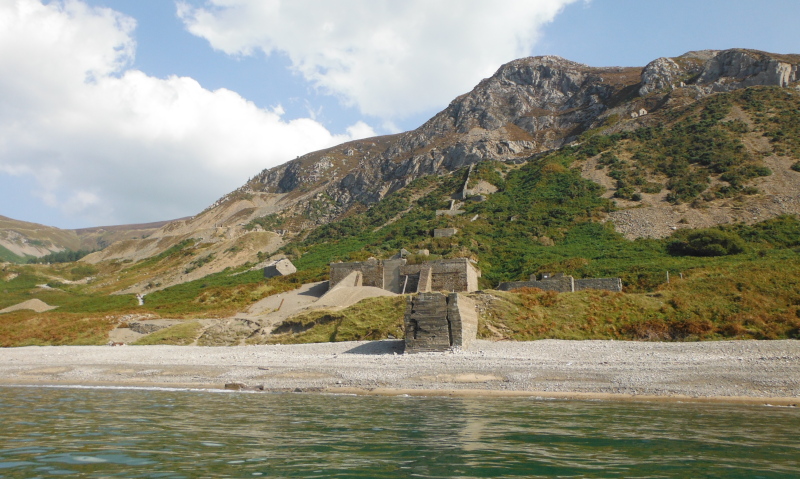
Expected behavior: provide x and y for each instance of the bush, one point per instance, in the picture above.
(796, 166)
(82, 271)
(706, 242)
(66, 256)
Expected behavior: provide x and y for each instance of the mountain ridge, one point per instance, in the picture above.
(528, 107)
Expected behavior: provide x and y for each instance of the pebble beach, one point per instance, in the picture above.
(752, 372)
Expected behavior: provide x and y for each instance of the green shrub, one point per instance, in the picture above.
(796, 166)
(82, 271)
(66, 256)
(705, 242)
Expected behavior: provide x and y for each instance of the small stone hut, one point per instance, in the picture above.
(281, 267)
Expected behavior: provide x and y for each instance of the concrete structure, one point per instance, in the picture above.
(564, 284)
(354, 279)
(444, 232)
(395, 275)
(439, 322)
(281, 267)
(453, 211)
(465, 193)
(452, 275)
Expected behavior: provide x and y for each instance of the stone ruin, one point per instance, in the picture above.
(434, 321)
(444, 232)
(281, 267)
(397, 276)
(454, 210)
(564, 284)
(439, 322)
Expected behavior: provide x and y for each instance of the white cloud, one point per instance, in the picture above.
(109, 144)
(389, 58)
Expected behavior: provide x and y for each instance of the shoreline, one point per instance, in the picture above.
(790, 402)
(734, 372)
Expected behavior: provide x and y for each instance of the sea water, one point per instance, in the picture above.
(87, 432)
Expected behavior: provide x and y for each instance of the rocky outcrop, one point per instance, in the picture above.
(659, 74)
(665, 74)
(735, 69)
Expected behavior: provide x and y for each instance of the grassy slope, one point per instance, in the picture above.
(370, 319)
(7, 255)
(543, 218)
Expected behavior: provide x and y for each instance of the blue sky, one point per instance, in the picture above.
(125, 111)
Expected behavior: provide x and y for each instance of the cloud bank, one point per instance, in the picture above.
(109, 144)
(389, 58)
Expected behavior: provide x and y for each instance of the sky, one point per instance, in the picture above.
(132, 111)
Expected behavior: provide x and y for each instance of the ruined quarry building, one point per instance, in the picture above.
(395, 275)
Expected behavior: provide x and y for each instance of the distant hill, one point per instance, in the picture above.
(21, 239)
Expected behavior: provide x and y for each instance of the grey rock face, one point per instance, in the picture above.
(528, 106)
(734, 69)
(659, 74)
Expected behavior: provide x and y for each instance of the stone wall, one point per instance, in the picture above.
(353, 279)
(391, 275)
(608, 284)
(454, 275)
(438, 322)
(339, 271)
(444, 232)
(565, 284)
(371, 271)
(462, 314)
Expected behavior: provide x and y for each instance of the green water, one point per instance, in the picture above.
(154, 433)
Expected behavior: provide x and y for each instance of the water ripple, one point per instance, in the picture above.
(179, 433)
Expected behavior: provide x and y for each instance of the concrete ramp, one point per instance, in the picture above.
(344, 296)
(273, 310)
(353, 279)
(281, 306)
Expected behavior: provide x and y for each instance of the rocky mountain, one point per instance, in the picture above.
(528, 107)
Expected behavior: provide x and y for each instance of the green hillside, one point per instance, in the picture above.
(6, 255)
(732, 281)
